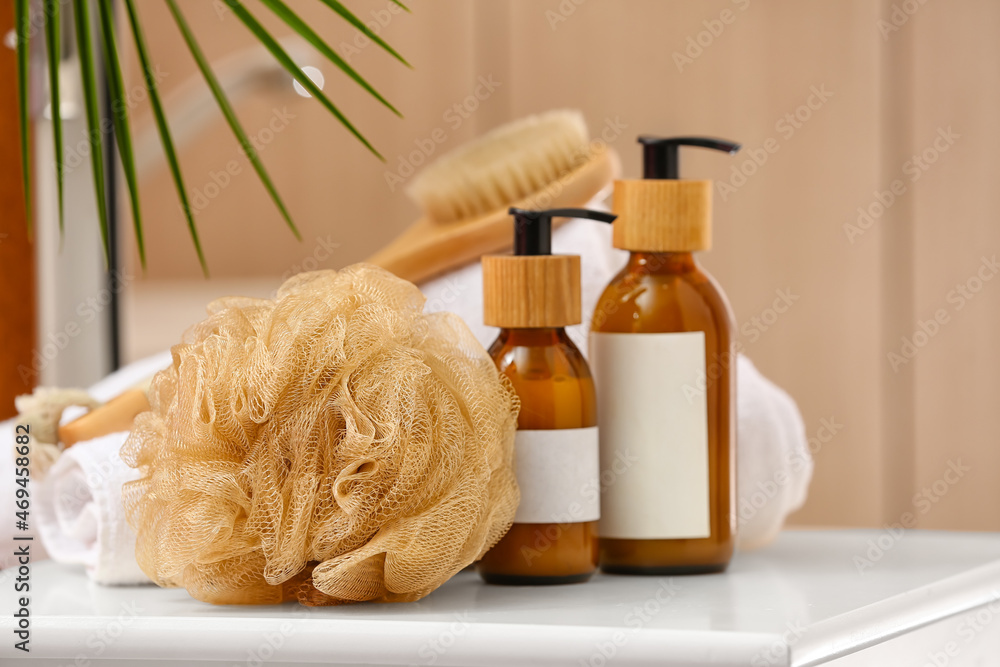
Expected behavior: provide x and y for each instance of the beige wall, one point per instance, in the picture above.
(783, 229)
(955, 223)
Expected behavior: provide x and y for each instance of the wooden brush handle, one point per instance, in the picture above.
(428, 249)
(114, 416)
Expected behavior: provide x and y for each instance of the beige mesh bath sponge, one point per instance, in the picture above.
(334, 444)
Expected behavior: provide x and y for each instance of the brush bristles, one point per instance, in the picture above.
(503, 167)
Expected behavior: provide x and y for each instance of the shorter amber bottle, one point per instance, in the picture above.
(532, 295)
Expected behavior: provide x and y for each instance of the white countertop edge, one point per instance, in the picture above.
(339, 641)
(859, 629)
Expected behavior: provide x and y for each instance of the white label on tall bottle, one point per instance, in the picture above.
(653, 412)
(557, 472)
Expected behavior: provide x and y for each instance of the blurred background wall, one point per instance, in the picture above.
(866, 195)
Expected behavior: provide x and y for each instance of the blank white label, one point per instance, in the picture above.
(653, 412)
(557, 471)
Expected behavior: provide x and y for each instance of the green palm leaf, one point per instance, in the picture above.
(286, 61)
(227, 111)
(346, 14)
(119, 113)
(307, 33)
(119, 116)
(53, 36)
(22, 25)
(162, 128)
(81, 18)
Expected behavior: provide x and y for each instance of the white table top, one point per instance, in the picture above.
(801, 601)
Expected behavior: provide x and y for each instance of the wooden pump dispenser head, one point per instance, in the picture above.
(533, 288)
(662, 213)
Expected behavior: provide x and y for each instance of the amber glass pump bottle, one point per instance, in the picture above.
(532, 295)
(661, 346)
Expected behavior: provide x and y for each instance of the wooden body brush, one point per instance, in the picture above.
(541, 161)
(114, 416)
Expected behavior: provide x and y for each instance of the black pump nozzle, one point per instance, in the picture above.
(659, 155)
(533, 229)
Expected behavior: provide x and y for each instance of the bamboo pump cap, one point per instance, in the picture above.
(533, 288)
(662, 213)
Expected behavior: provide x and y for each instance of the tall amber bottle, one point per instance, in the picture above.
(662, 350)
(532, 295)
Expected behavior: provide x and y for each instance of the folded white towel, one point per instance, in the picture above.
(774, 466)
(109, 387)
(773, 463)
(80, 514)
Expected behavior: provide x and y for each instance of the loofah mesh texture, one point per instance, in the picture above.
(333, 445)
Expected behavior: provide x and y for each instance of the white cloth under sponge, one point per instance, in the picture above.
(80, 512)
(92, 532)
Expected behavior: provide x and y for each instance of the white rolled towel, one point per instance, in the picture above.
(774, 466)
(109, 387)
(81, 519)
(773, 463)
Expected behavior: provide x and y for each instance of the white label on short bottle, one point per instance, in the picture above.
(557, 471)
(653, 413)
